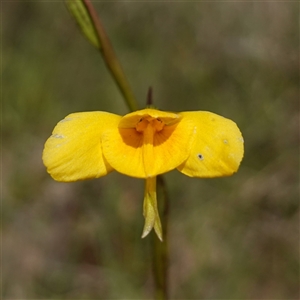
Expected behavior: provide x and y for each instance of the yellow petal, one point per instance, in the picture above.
(217, 149)
(149, 153)
(73, 151)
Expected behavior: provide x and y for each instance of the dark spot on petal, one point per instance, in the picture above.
(200, 156)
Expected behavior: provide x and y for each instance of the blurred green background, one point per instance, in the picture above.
(230, 238)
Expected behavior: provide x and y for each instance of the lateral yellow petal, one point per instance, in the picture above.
(137, 154)
(217, 149)
(73, 151)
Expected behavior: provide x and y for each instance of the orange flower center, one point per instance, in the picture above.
(155, 123)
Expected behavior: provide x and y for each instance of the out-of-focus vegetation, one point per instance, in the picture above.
(230, 238)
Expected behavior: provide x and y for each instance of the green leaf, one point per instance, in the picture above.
(80, 12)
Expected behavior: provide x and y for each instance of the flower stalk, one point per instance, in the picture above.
(86, 17)
(91, 26)
(161, 250)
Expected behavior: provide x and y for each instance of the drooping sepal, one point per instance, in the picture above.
(150, 210)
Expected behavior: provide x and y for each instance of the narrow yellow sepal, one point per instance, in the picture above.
(150, 210)
(217, 147)
(130, 120)
(73, 151)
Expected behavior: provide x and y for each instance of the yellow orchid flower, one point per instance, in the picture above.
(143, 144)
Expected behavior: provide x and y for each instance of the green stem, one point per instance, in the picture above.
(86, 17)
(104, 46)
(111, 59)
(161, 249)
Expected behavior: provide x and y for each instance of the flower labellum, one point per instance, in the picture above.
(143, 144)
